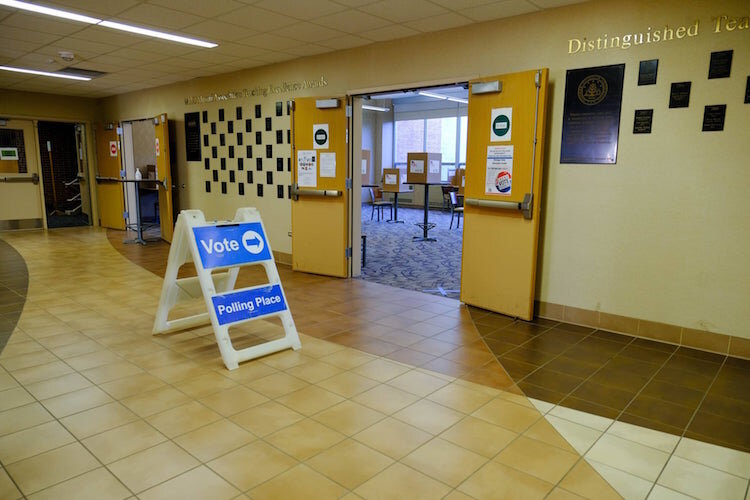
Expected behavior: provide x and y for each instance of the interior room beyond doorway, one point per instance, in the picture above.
(394, 124)
(139, 158)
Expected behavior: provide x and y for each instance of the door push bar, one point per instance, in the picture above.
(296, 192)
(162, 183)
(526, 206)
(32, 178)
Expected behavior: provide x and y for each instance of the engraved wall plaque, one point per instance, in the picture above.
(647, 72)
(713, 117)
(642, 121)
(721, 64)
(679, 96)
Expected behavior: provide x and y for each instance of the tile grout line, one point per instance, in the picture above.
(692, 417)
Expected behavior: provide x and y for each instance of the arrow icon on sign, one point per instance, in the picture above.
(253, 242)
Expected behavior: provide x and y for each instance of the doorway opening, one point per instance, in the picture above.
(410, 240)
(62, 150)
(139, 162)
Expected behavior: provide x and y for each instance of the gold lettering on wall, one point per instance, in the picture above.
(606, 42)
(261, 90)
(719, 24)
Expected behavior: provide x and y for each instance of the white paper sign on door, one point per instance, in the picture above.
(307, 169)
(502, 123)
(499, 179)
(328, 164)
(320, 136)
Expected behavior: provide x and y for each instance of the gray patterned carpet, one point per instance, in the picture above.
(395, 259)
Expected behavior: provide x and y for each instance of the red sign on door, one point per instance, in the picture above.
(112, 148)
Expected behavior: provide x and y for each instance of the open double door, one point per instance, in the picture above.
(507, 117)
(109, 189)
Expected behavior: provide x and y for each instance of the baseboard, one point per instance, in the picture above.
(672, 334)
(17, 224)
(282, 258)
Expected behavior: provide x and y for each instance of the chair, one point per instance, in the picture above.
(456, 210)
(446, 196)
(379, 204)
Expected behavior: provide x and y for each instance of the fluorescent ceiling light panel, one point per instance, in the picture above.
(157, 34)
(434, 96)
(44, 73)
(49, 11)
(375, 108)
(458, 99)
(108, 24)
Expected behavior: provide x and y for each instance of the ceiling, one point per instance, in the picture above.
(250, 33)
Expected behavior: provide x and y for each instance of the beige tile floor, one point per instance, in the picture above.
(93, 406)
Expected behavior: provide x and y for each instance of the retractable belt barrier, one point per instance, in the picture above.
(226, 247)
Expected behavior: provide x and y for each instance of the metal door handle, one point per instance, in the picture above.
(296, 192)
(34, 178)
(524, 206)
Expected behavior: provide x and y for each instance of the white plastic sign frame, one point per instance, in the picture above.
(225, 247)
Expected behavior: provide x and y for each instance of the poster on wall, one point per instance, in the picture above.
(591, 116)
(499, 176)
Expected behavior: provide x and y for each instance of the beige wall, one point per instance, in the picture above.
(47, 106)
(662, 235)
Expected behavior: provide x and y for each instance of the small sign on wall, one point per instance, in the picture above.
(8, 153)
(642, 121)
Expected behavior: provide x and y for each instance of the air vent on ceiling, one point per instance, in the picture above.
(81, 72)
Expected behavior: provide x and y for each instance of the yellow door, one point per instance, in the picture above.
(320, 202)
(21, 201)
(164, 174)
(109, 191)
(503, 183)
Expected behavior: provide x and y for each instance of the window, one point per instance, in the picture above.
(13, 151)
(445, 135)
(409, 138)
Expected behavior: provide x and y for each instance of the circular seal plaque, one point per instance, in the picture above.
(592, 90)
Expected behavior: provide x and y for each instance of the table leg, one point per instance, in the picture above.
(138, 226)
(426, 225)
(395, 211)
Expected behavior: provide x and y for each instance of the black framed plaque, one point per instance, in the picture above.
(747, 91)
(642, 121)
(192, 136)
(721, 64)
(647, 72)
(679, 95)
(591, 117)
(713, 117)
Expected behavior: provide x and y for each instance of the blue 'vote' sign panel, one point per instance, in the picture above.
(231, 245)
(248, 304)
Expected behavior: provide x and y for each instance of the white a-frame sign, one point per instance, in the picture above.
(224, 247)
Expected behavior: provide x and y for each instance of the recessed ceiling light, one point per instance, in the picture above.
(157, 34)
(107, 24)
(49, 11)
(44, 73)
